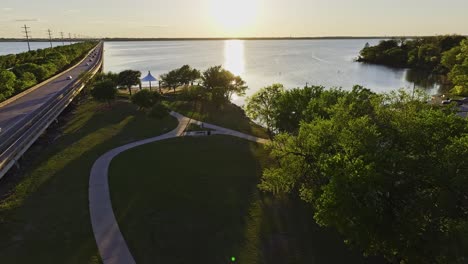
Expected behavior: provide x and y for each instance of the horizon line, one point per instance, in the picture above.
(223, 38)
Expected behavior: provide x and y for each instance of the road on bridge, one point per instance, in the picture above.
(19, 109)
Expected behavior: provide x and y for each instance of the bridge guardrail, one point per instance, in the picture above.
(27, 132)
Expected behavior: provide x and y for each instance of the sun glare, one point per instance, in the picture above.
(234, 16)
(234, 60)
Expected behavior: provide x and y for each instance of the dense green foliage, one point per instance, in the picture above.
(104, 91)
(387, 171)
(283, 110)
(222, 84)
(420, 53)
(456, 60)
(146, 98)
(262, 105)
(20, 71)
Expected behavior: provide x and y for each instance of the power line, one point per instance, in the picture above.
(50, 37)
(27, 35)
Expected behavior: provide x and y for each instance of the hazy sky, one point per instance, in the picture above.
(241, 18)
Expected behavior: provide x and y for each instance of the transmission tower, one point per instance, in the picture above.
(27, 35)
(50, 37)
(63, 42)
(69, 37)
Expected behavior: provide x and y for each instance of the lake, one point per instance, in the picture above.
(18, 47)
(294, 63)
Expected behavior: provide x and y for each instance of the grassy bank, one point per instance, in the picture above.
(44, 218)
(195, 200)
(226, 115)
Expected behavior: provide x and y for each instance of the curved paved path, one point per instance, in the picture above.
(111, 244)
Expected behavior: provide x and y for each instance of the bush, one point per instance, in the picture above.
(192, 93)
(104, 91)
(159, 111)
(145, 98)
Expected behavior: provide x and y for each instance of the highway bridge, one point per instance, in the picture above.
(25, 117)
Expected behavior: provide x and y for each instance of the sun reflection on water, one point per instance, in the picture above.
(234, 60)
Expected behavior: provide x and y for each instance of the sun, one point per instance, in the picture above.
(234, 16)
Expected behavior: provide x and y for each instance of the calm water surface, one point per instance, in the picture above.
(264, 62)
(260, 62)
(18, 47)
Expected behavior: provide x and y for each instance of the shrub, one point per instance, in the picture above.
(145, 98)
(192, 93)
(159, 111)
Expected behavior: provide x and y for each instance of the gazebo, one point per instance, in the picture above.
(149, 78)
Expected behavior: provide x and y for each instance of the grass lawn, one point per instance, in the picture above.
(227, 115)
(45, 217)
(195, 200)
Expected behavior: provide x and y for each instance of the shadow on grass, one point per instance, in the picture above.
(46, 219)
(195, 200)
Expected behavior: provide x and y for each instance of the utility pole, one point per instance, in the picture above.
(63, 43)
(27, 35)
(69, 37)
(50, 37)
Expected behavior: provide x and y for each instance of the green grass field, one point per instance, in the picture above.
(195, 200)
(45, 217)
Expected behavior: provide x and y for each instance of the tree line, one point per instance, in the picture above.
(19, 72)
(387, 171)
(440, 55)
(215, 84)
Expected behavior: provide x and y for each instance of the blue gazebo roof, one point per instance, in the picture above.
(149, 78)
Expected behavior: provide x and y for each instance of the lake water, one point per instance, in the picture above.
(18, 47)
(293, 63)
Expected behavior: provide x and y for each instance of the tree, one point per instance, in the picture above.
(7, 82)
(222, 83)
(194, 76)
(450, 58)
(104, 91)
(185, 75)
(292, 105)
(58, 59)
(145, 98)
(389, 174)
(261, 105)
(459, 71)
(171, 79)
(419, 53)
(129, 78)
(40, 72)
(25, 81)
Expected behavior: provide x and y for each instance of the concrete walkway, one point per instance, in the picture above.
(111, 244)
